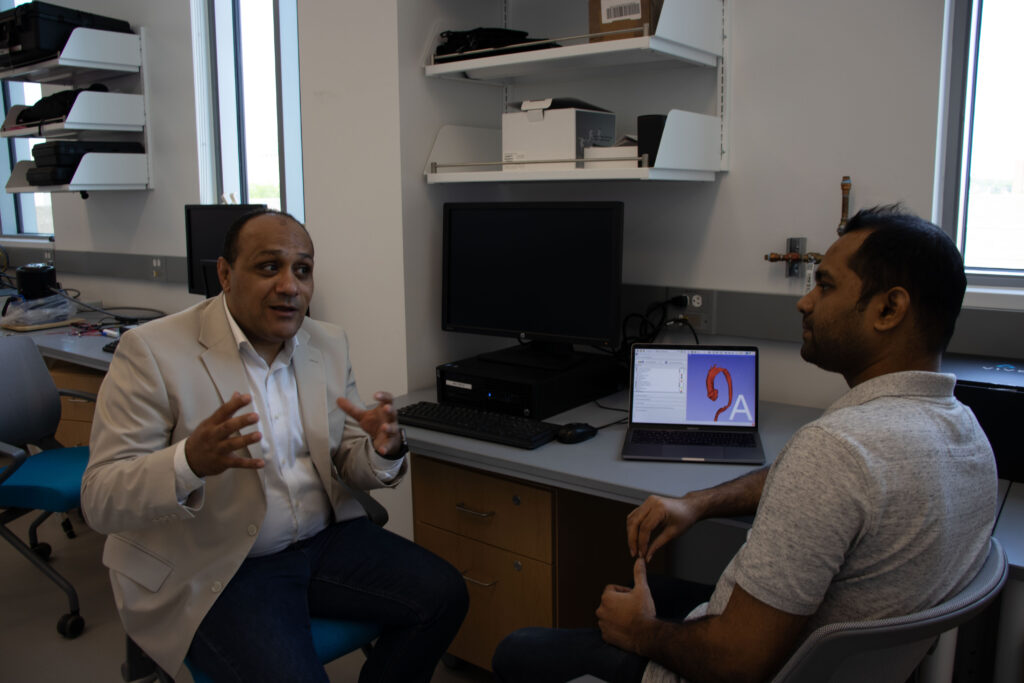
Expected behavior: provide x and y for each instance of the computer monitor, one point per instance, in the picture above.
(205, 228)
(547, 273)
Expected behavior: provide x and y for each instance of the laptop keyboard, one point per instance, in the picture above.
(694, 438)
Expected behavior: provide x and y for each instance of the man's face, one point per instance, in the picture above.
(269, 287)
(836, 332)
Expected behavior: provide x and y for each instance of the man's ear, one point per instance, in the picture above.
(893, 309)
(224, 273)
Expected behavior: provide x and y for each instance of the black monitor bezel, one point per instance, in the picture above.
(193, 260)
(613, 336)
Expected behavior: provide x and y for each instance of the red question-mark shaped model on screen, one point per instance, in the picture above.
(713, 393)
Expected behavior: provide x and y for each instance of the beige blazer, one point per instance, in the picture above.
(169, 563)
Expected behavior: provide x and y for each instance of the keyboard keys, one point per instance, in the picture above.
(511, 430)
(694, 438)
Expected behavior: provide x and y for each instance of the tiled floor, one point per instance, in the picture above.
(32, 651)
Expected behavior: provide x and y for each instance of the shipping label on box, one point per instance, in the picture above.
(613, 15)
(546, 130)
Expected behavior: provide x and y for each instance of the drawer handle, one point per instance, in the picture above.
(479, 583)
(461, 507)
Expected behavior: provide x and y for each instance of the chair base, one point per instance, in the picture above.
(69, 625)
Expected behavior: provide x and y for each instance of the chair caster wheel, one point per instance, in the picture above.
(70, 625)
(42, 550)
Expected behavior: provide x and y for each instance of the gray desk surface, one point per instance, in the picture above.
(594, 467)
(60, 344)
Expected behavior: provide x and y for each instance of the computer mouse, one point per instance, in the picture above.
(574, 432)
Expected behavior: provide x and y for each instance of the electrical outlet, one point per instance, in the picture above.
(699, 310)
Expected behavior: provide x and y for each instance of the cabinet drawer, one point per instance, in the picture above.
(506, 591)
(73, 433)
(76, 378)
(502, 512)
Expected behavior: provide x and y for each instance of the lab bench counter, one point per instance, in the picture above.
(594, 467)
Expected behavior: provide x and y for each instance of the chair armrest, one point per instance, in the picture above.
(77, 394)
(18, 456)
(377, 513)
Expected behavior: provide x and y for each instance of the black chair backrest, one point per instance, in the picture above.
(30, 406)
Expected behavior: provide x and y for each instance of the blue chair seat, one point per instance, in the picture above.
(49, 480)
(332, 638)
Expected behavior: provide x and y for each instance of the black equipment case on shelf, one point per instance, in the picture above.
(38, 31)
(57, 160)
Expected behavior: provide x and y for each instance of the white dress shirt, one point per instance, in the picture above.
(297, 504)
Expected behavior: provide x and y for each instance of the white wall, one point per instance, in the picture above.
(348, 58)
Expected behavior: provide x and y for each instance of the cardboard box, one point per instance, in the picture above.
(594, 154)
(553, 129)
(613, 15)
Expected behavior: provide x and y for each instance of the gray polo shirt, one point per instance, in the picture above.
(882, 507)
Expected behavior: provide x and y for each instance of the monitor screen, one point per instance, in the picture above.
(205, 228)
(543, 271)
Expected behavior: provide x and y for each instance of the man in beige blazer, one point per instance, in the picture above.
(227, 441)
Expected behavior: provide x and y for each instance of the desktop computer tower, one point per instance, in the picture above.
(527, 391)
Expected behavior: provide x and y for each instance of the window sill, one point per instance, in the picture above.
(994, 298)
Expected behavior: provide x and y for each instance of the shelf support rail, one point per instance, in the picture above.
(435, 165)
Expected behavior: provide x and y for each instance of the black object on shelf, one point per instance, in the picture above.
(496, 41)
(57, 160)
(649, 128)
(54, 107)
(37, 31)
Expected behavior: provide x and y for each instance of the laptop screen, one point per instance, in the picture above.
(694, 386)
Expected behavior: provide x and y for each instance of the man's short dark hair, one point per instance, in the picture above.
(230, 250)
(904, 250)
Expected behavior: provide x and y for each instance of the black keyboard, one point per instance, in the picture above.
(511, 430)
(698, 438)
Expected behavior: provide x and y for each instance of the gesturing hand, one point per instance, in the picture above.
(624, 612)
(211, 447)
(657, 522)
(380, 422)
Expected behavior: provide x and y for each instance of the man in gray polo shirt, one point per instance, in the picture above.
(882, 507)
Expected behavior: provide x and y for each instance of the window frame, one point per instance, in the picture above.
(219, 87)
(960, 64)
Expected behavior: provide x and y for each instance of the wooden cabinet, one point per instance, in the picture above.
(531, 555)
(498, 533)
(75, 413)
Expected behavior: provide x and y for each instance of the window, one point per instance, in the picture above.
(985, 188)
(247, 90)
(28, 213)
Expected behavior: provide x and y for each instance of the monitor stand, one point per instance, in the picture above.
(542, 355)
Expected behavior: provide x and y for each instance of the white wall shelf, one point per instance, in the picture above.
(692, 147)
(97, 171)
(89, 55)
(689, 31)
(92, 111)
(690, 150)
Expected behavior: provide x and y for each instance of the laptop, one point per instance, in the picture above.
(693, 404)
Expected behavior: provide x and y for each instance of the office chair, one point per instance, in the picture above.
(886, 650)
(332, 638)
(48, 481)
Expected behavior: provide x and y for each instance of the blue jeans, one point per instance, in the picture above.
(259, 627)
(556, 655)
